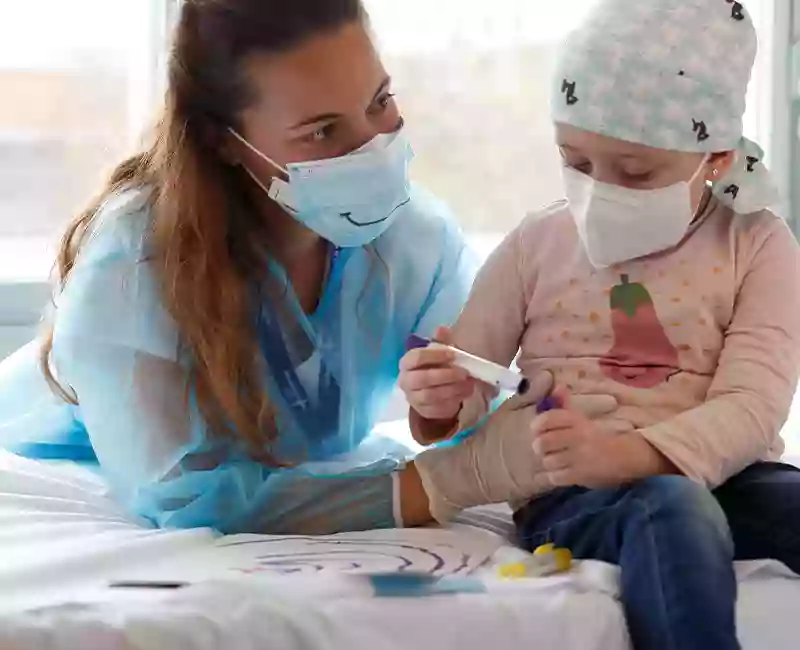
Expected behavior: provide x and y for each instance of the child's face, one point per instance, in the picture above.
(636, 166)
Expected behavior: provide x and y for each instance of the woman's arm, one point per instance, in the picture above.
(755, 382)
(115, 346)
(414, 502)
(155, 451)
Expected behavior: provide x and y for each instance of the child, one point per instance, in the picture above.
(680, 299)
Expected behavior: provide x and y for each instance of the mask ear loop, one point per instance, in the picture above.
(703, 163)
(278, 186)
(257, 151)
(703, 204)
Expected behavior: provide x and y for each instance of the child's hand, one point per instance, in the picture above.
(577, 451)
(435, 388)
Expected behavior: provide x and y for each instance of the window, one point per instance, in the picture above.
(473, 80)
(79, 80)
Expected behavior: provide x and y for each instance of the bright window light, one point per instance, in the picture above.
(77, 90)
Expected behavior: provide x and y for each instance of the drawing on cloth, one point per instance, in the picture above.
(434, 552)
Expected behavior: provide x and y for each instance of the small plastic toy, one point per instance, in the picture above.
(545, 561)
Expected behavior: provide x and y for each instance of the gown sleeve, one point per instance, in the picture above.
(117, 349)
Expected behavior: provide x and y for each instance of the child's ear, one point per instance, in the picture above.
(720, 164)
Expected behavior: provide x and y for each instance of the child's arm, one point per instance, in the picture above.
(755, 382)
(490, 326)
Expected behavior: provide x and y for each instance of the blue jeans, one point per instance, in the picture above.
(675, 543)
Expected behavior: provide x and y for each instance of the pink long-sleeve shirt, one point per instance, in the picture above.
(700, 344)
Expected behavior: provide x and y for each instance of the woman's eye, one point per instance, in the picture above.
(384, 101)
(321, 134)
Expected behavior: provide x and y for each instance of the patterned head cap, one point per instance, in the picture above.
(669, 74)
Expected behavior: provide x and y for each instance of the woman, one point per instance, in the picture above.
(231, 318)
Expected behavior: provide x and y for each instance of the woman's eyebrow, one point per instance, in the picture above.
(329, 117)
(323, 117)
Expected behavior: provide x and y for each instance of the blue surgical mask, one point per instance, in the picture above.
(351, 200)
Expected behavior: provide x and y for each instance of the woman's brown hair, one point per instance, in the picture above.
(204, 249)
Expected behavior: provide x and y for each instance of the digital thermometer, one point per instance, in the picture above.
(480, 369)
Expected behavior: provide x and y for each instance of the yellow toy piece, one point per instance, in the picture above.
(546, 560)
(563, 559)
(512, 571)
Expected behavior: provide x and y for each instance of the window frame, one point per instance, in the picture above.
(782, 78)
(793, 107)
(23, 299)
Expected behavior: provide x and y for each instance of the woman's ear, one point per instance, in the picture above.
(228, 149)
(719, 165)
(219, 140)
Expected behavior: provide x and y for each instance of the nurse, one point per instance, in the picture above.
(233, 307)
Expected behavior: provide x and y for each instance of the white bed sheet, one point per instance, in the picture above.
(62, 541)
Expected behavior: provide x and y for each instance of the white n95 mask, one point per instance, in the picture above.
(351, 200)
(617, 224)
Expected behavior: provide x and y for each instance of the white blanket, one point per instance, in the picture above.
(62, 543)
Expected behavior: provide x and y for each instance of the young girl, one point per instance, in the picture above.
(680, 299)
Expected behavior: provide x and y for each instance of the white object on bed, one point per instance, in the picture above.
(67, 540)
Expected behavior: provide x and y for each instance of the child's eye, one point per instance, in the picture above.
(640, 177)
(571, 162)
(583, 167)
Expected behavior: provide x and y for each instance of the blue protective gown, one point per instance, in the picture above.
(330, 376)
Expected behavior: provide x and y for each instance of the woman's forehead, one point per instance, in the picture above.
(337, 72)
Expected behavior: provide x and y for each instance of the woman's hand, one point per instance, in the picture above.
(576, 451)
(434, 388)
(498, 463)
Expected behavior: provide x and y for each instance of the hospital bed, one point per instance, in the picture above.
(66, 551)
